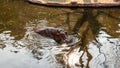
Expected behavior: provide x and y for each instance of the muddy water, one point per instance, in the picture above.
(96, 31)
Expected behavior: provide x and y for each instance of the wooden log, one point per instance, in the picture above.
(78, 3)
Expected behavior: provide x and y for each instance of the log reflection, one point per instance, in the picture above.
(88, 26)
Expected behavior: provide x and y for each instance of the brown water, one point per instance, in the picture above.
(97, 32)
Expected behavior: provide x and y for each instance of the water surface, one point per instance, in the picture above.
(97, 32)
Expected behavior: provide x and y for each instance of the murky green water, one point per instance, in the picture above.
(97, 30)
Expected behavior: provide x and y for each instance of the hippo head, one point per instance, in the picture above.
(59, 35)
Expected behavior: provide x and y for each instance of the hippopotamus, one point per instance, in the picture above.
(59, 35)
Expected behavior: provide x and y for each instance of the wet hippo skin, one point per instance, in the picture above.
(59, 35)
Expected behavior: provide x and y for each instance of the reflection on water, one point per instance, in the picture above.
(97, 33)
